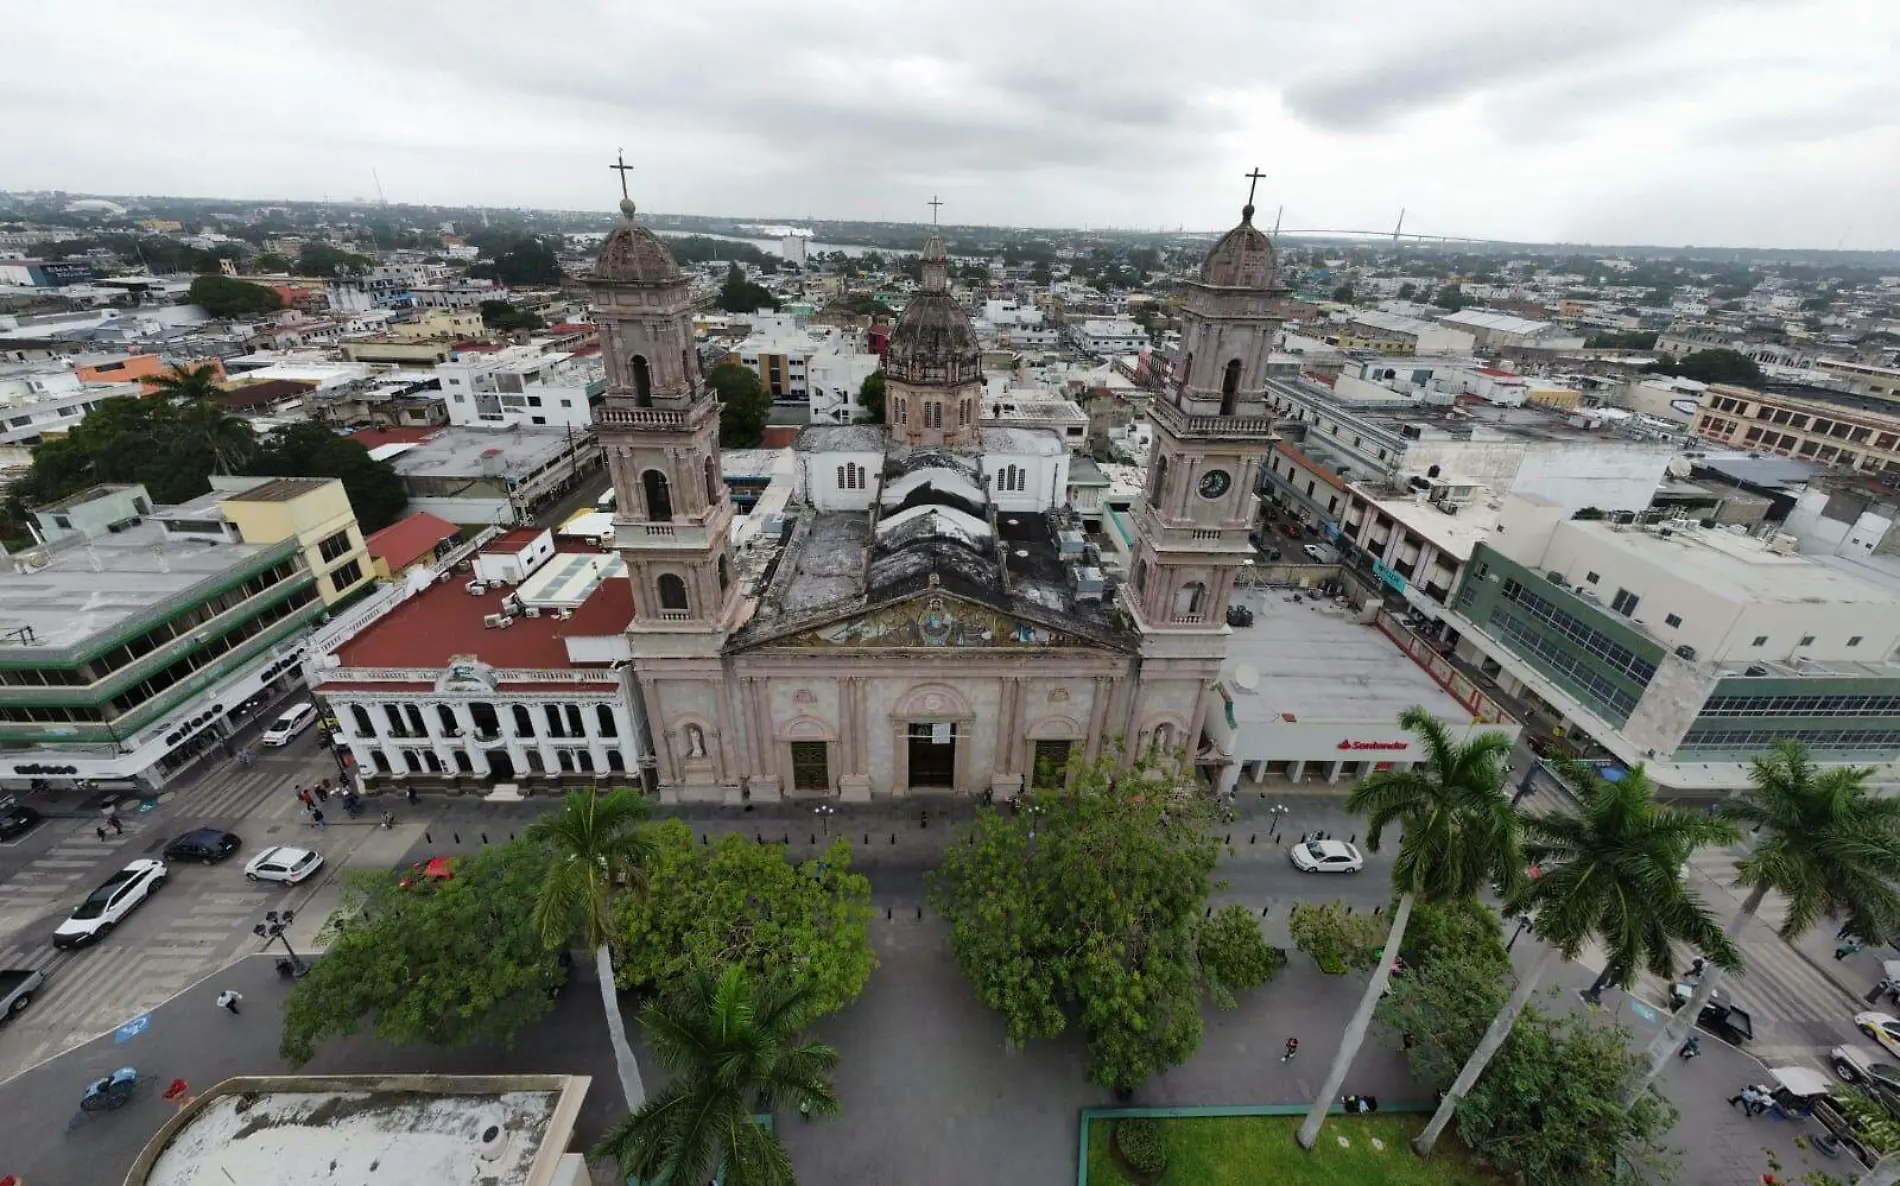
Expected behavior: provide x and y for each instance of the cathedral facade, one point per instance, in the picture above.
(934, 620)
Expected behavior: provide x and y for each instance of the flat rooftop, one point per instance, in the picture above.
(1316, 664)
(446, 620)
(1454, 534)
(1737, 565)
(70, 600)
(474, 452)
(446, 1131)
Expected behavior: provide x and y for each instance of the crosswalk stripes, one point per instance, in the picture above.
(64, 873)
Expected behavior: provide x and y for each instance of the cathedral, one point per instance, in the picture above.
(930, 622)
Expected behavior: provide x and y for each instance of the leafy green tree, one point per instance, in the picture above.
(741, 902)
(1451, 296)
(221, 296)
(1612, 871)
(307, 449)
(871, 397)
(458, 963)
(182, 381)
(1827, 843)
(271, 261)
(739, 295)
(1343, 294)
(1338, 941)
(1462, 925)
(329, 261)
(598, 847)
(1407, 291)
(732, 1044)
(1721, 365)
(505, 318)
(527, 262)
(1234, 955)
(744, 405)
(1084, 907)
(1460, 836)
(231, 442)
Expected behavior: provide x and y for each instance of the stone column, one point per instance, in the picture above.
(1006, 781)
(766, 785)
(1229, 779)
(854, 782)
(1332, 771)
(1098, 715)
(1296, 772)
(1197, 720)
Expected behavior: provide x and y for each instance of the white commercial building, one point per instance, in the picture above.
(44, 399)
(1416, 334)
(521, 385)
(1114, 336)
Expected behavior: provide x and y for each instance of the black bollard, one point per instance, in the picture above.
(920, 914)
(1252, 836)
(814, 838)
(887, 914)
(511, 837)
(1276, 837)
(1348, 910)
(893, 837)
(426, 839)
(1209, 914)
(458, 837)
(1302, 837)
(1355, 839)
(1230, 838)
(757, 839)
(484, 838)
(786, 839)
(1263, 911)
(867, 840)
(705, 838)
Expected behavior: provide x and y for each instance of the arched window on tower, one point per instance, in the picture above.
(1188, 600)
(725, 575)
(642, 381)
(659, 501)
(672, 592)
(1187, 370)
(1230, 388)
(712, 482)
(1157, 481)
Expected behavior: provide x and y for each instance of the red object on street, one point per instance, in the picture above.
(178, 1087)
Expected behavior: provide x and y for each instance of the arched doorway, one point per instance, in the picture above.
(659, 500)
(642, 380)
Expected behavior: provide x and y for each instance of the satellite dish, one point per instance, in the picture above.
(1246, 677)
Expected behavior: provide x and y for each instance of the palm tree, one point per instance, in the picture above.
(1828, 845)
(1460, 836)
(1610, 871)
(231, 441)
(193, 383)
(598, 844)
(733, 1046)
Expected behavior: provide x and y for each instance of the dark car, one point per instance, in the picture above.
(206, 844)
(16, 820)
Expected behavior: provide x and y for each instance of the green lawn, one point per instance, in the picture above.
(1237, 1150)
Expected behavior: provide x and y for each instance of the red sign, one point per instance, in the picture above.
(1378, 745)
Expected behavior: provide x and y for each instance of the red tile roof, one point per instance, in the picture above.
(513, 540)
(401, 544)
(445, 620)
(401, 434)
(778, 436)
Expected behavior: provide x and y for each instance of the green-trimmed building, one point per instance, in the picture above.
(1687, 648)
(135, 637)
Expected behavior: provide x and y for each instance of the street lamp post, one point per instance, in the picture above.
(273, 927)
(824, 811)
(1522, 923)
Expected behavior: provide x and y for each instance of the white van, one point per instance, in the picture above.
(294, 720)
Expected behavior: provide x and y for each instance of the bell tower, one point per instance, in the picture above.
(659, 426)
(1213, 431)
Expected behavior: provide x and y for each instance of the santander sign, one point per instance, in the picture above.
(1375, 745)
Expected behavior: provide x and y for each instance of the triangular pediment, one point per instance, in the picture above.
(929, 620)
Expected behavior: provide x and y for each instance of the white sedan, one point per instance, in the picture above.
(283, 863)
(1883, 1028)
(1327, 856)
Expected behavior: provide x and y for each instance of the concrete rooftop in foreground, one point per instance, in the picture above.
(1319, 665)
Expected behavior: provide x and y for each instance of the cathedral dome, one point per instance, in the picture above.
(934, 342)
(1243, 258)
(632, 253)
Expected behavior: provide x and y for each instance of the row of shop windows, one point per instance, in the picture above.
(94, 670)
(1614, 654)
(1819, 740)
(1580, 670)
(557, 720)
(184, 668)
(566, 761)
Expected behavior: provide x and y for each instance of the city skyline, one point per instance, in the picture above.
(1711, 122)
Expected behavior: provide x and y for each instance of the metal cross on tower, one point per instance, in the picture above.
(1253, 179)
(623, 168)
(933, 203)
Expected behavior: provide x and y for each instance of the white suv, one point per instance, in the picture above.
(294, 720)
(112, 901)
(283, 863)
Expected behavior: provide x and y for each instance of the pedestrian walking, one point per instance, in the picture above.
(1690, 1048)
(1847, 928)
(323, 791)
(101, 832)
(389, 819)
(1748, 1097)
(303, 794)
(228, 1001)
(316, 817)
(1292, 1048)
(112, 821)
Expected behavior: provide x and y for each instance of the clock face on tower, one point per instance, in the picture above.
(1214, 483)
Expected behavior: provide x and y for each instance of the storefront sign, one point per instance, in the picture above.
(1375, 745)
(1387, 575)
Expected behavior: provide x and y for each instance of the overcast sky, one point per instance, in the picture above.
(1749, 122)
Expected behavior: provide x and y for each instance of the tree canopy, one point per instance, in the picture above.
(871, 397)
(740, 902)
(528, 261)
(450, 963)
(221, 296)
(327, 260)
(1085, 907)
(744, 405)
(1451, 296)
(739, 295)
(1710, 366)
(503, 316)
(307, 449)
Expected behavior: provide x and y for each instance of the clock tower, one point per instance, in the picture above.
(1212, 434)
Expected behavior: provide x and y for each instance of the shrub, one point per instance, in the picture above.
(1141, 1144)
